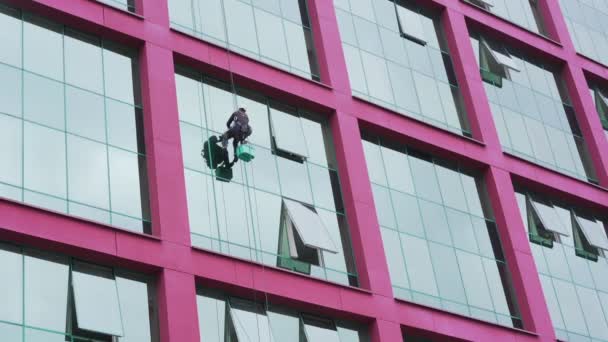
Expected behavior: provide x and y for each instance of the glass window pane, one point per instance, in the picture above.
(10, 37)
(299, 44)
(309, 226)
(125, 129)
(89, 74)
(425, 181)
(43, 49)
(287, 133)
(594, 316)
(211, 318)
(189, 99)
(447, 273)
(463, 233)
(377, 77)
(88, 172)
(249, 324)
(11, 286)
(594, 232)
(419, 266)
(285, 326)
(118, 76)
(356, 74)
(550, 219)
(271, 36)
(394, 258)
(11, 145)
(316, 332)
(43, 101)
(44, 160)
(473, 276)
(11, 333)
(410, 23)
(404, 89)
(125, 187)
(451, 188)
(375, 164)
(408, 213)
(428, 93)
(571, 309)
(493, 271)
(10, 90)
(435, 222)
(294, 180)
(384, 207)
(398, 170)
(85, 114)
(322, 188)
(212, 19)
(96, 299)
(46, 292)
(35, 335)
(241, 27)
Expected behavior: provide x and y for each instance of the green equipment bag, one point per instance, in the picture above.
(245, 152)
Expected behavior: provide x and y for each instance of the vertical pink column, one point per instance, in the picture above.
(165, 163)
(177, 311)
(466, 68)
(154, 11)
(518, 255)
(381, 330)
(578, 91)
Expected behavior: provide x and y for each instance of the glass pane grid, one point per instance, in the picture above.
(533, 116)
(523, 13)
(393, 72)
(261, 23)
(586, 23)
(242, 217)
(432, 246)
(35, 266)
(66, 120)
(575, 287)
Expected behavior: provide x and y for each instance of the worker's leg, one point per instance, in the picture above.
(231, 133)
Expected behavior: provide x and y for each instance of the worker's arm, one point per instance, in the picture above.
(230, 119)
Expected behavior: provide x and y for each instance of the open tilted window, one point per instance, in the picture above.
(601, 104)
(486, 4)
(303, 237)
(549, 218)
(594, 232)
(247, 317)
(286, 130)
(319, 329)
(95, 298)
(410, 25)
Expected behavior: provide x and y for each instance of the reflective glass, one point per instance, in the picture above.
(395, 72)
(441, 246)
(249, 324)
(46, 292)
(272, 31)
(10, 37)
(573, 285)
(534, 119)
(66, 113)
(586, 22)
(211, 318)
(521, 12)
(257, 189)
(11, 285)
(96, 299)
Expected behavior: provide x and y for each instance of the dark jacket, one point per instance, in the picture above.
(240, 119)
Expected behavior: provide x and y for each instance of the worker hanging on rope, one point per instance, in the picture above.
(238, 129)
(216, 155)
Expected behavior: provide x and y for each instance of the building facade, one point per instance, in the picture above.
(425, 170)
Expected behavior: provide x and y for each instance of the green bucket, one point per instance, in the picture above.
(245, 152)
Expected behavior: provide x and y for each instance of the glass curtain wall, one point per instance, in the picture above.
(588, 25)
(282, 209)
(440, 240)
(600, 98)
(52, 298)
(569, 247)
(276, 32)
(71, 134)
(223, 318)
(397, 58)
(532, 112)
(524, 13)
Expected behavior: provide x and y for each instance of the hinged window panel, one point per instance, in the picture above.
(319, 330)
(250, 321)
(594, 232)
(309, 226)
(96, 299)
(550, 218)
(410, 25)
(502, 59)
(287, 133)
